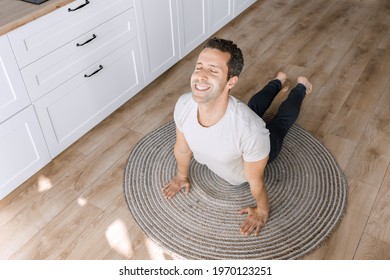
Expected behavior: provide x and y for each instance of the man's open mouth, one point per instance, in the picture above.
(201, 87)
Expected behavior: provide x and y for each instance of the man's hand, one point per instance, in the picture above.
(176, 185)
(255, 220)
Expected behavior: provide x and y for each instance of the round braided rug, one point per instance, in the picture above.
(306, 188)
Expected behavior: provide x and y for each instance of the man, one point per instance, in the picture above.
(225, 134)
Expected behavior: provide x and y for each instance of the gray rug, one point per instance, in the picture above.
(307, 193)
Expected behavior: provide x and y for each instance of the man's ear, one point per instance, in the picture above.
(232, 82)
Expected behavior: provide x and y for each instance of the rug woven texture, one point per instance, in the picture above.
(306, 188)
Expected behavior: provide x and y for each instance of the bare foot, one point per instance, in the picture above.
(304, 81)
(281, 77)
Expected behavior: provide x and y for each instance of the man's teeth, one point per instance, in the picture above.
(199, 87)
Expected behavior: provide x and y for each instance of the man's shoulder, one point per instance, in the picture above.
(183, 107)
(243, 114)
(183, 102)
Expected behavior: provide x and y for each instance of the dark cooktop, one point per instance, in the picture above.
(35, 1)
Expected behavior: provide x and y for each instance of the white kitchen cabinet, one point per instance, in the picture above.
(220, 13)
(159, 39)
(241, 5)
(23, 150)
(198, 20)
(13, 94)
(76, 106)
(193, 24)
(79, 63)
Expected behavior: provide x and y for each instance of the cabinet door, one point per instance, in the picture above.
(69, 111)
(158, 31)
(220, 13)
(22, 148)
(193, 24)
(241, 5)
(13, 94)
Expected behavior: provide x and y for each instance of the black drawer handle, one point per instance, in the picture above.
(86, 42)
(90, 75)
(79, 7)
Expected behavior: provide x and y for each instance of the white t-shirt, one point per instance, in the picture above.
(239, 136)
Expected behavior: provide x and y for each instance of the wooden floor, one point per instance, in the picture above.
(74, 208)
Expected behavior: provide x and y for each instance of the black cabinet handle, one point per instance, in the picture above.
(79, 7)
(90, 75)
(86, 42)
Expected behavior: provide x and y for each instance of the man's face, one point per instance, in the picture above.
(209, 79)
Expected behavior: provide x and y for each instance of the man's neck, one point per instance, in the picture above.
(210, 114)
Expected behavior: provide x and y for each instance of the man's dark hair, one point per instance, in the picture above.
(236, 61)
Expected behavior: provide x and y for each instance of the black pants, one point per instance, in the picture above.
(286, 116)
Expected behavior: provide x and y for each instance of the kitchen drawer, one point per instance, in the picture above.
(49, 32)
(54, 69)
(13, 94)
(72, 109)
(22, 148)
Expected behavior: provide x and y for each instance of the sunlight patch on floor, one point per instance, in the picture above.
(118, 238)
(81, 201)
(155, 252)
(44, 184)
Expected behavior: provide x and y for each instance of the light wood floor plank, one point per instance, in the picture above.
(96, 163)
(379, 223)
(32, 218)
(109, 231)
(74, 208)
(51, 175)
(59, 233)
(360, 201)
(371, 248)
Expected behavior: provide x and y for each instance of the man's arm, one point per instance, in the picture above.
(257, 216)
(183, 155)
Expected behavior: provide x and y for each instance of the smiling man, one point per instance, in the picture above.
(227, 135)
